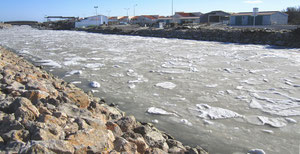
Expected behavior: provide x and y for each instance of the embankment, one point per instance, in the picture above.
(287, 38)
(43, 114)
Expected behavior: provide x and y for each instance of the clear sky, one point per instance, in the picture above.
(37, 9)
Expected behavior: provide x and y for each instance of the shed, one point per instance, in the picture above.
(262, 18)
(92, 21)
(215, 17)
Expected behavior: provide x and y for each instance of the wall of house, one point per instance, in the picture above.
(279, 19)
(92, 21)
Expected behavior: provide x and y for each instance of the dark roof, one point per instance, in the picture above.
(259, 13)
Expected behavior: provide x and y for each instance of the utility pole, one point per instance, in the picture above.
(108, 12)
(97, 18)
(134, 9)
(127, 9)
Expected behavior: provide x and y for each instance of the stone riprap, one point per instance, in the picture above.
(40, 113)
(287, 38)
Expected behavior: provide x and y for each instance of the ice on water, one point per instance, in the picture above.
(252, 87)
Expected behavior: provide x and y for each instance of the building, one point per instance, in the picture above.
(113, 21)
(215, 17)
(183, 18)
(91, 21)
(262, 18)
(145, 19)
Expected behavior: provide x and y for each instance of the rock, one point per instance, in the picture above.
(79, 98)
(127, 123)
(114, 128)
(16, 135)
(47, 132)
(23, 109)
(15, 86)
(140, 143)
(193, 151)
(35, 95)
(51, 146)
(175, 146)
(122, 145)
(13, 147)
(97, 138)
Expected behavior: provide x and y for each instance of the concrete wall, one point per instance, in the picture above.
(279, 19)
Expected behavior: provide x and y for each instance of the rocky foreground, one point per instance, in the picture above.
(43, 114)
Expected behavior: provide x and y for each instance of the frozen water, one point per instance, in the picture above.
(158, 111)
(209, 112)
(234, 80)
(166, 85)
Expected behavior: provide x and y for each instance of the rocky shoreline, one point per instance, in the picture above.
(285, 38)
(40, 113)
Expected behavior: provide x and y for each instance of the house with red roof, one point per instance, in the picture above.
(144, 19)
(183, 17)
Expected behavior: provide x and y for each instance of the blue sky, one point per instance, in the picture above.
(37, 9)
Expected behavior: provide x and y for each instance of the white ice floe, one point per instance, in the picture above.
(255, 105)
(158, 111)
(291, 120)
(131, 73)
(186, 122)
(76, 82)
(208, 112)
(131, 86)
(212, 85)
(207, 122)
(24, 52)
(94, 91)
(50, 63)
(94, 65)
(166, 85)
(256, 151)
(267, 131)
(117, 75)
(77, 72)
(95, 84)
(274, 122)
(155, 121)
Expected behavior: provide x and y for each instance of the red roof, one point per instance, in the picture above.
(125, 17)
(185, 14)
(113, 18)
(135, 17)
(150, 17)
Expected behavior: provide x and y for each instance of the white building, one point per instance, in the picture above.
(92, 21)
(262, 18)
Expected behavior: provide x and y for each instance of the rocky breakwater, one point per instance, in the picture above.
(287, 38)
(43, 114)
(2, 26)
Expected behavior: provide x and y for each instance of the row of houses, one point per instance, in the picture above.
(243, 18)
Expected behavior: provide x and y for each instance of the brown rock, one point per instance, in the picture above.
(16, 135)
(127, 123)
(35, 95)
(23, 109)
(114, 128)
(98, 139)
(122, 145)
(140, 143)
(79, 98)
(51, 146)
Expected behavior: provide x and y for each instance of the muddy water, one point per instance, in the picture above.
(228, 98)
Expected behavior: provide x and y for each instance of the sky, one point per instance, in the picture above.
(11, 10)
